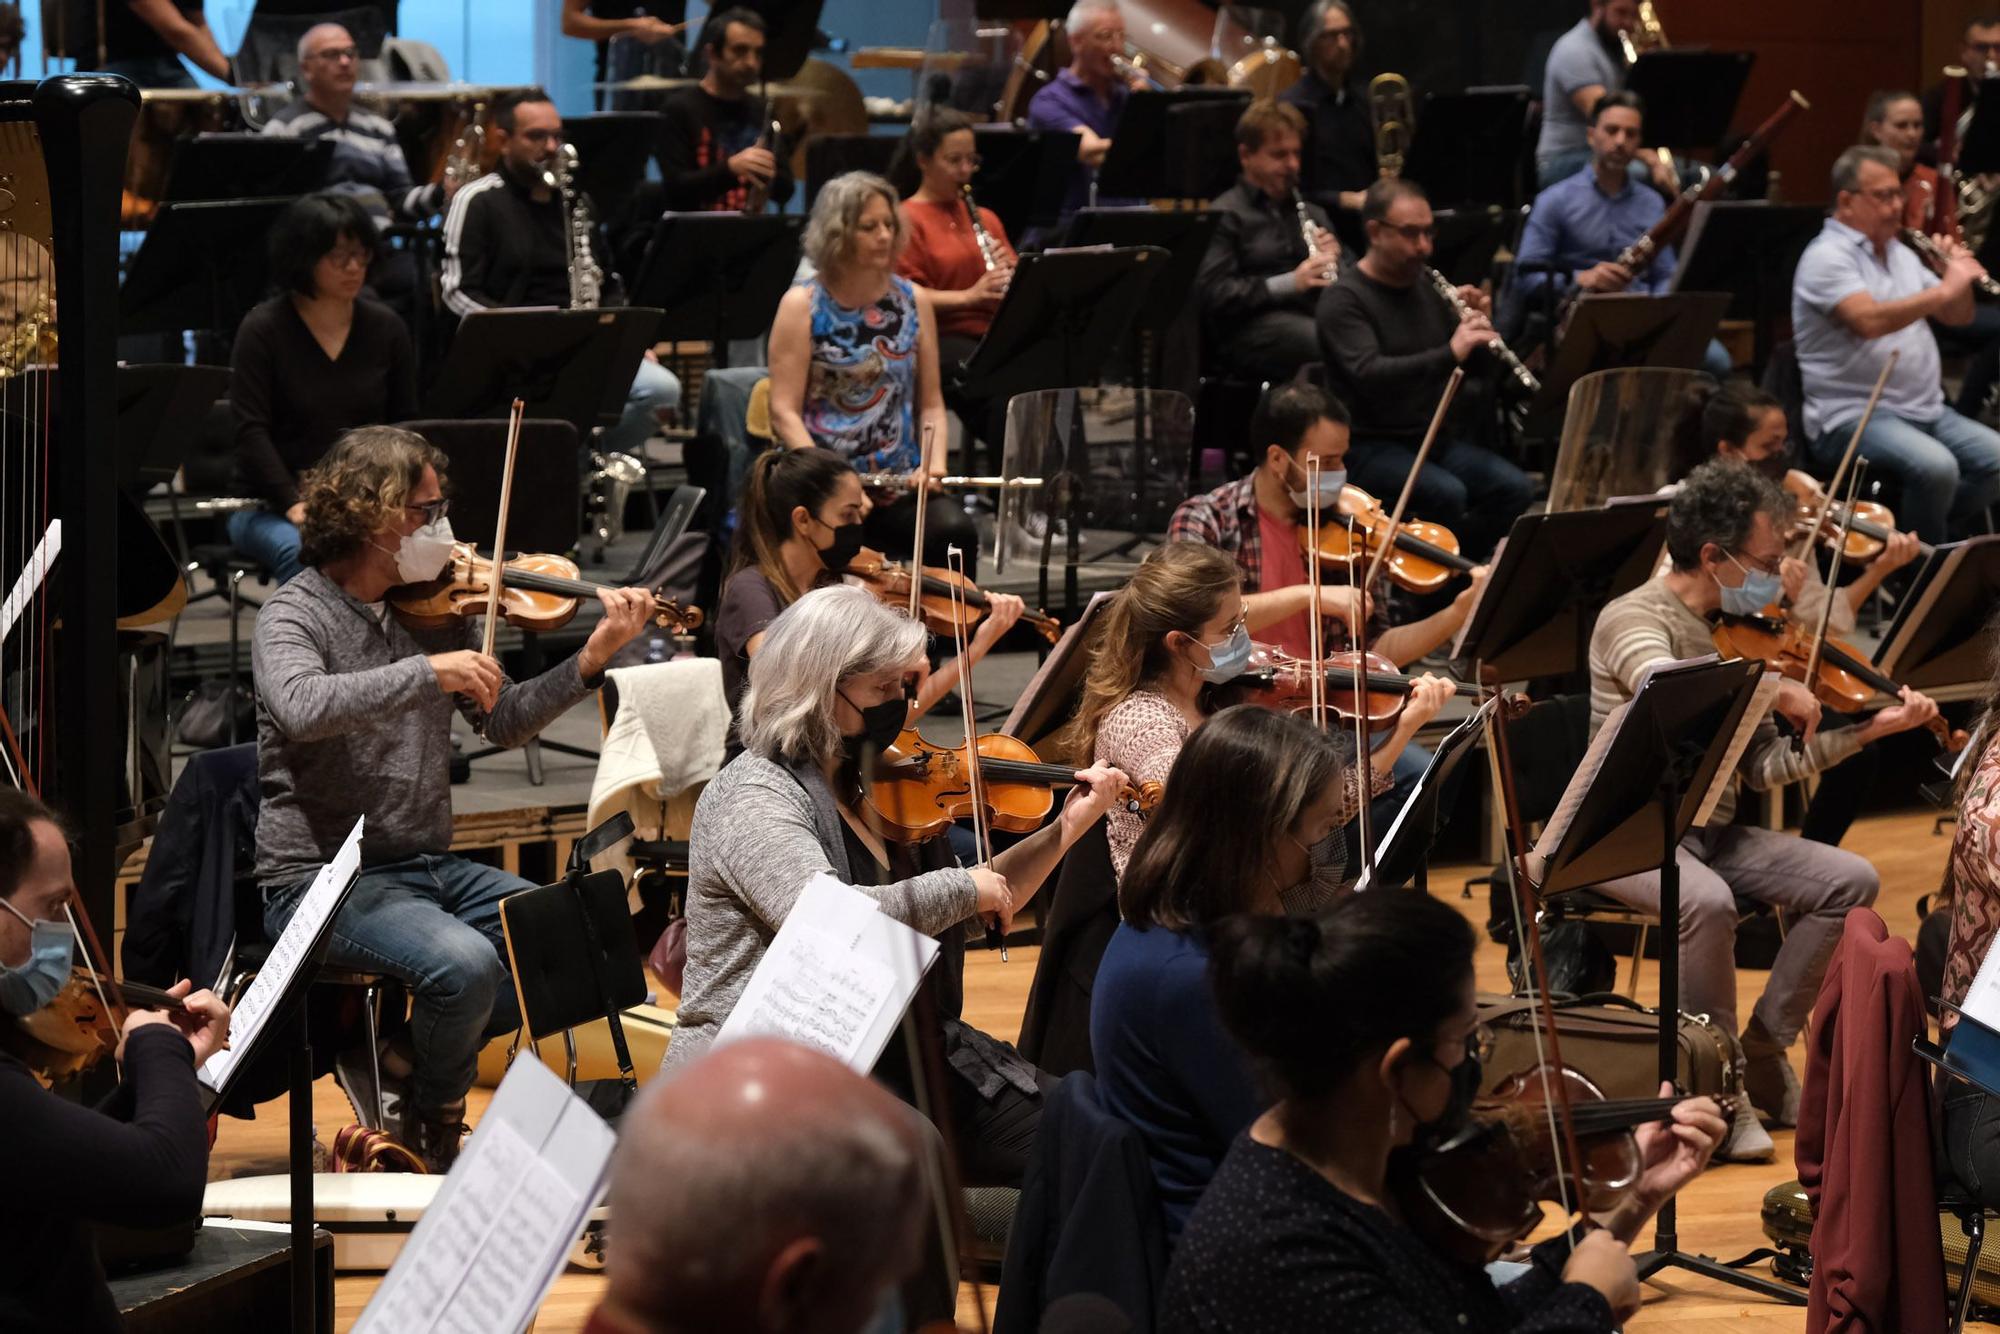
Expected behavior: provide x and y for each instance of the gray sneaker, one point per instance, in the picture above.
(1748, 1141)
(1768, 1077)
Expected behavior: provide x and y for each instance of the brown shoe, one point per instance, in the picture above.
(435, 1135)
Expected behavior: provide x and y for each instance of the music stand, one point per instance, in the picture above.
(1652, 774)
(1630, 329)
(1553, 575)
(1060, 319)
(1467, 148)
(612, 149)
(246, 166)
(1467, 240)
(1402, 856)
(1938, 638)
(201, 266)
(149, 397)
(1140, 164)
(1183, 235)
(573, 365)
(1023, 175)
(1690, 94)
(718, 276)
(1750, 249)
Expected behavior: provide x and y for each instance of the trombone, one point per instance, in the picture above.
(1650, 35)
(1395, 119)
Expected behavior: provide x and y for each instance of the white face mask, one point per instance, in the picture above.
(422, 556)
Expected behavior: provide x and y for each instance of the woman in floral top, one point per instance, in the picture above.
(1971, 1118)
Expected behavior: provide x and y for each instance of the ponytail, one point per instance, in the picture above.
(1711, 415)
(781, 480)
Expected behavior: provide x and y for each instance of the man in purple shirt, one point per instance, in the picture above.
(1088, 97)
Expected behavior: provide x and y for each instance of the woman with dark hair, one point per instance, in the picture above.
(1249, 823)
(313, 361)
(798, 527)
(139, 1158)
(1895, 120)
(1361, 1026)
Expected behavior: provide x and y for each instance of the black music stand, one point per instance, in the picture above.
(246, 166)
(1403, 855)
(1467, 240)
(1939, 638)
(1060, 319)
(201, 266)
(1655, 778)
(612, 149)
(1467, 148)
(1690, 94)
(1552, 576)
(1023, 175)
(1183, 235)
(718, 276)
(1617, 330)
(1153, 155)
(151, 396)
(574, 365)
(1749, 249)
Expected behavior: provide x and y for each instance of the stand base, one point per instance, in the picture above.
(1652, 1262)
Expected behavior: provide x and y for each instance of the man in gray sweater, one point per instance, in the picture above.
(354, 719)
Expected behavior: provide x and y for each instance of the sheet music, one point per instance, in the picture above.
(1472, 612)
(31, 577)
(273, 980)
(1725, 773)
(1982, 998)
(1446, 755)
(838, 976)
(1580, 783)
(490, 1246)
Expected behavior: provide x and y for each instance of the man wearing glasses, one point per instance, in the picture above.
(1389, 343)
(1980, 58)
(1860, 295)
(1726, 529)
(354, 715)
(1339, 156)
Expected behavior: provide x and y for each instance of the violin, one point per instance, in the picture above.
(537, 593)
(75, 1031)
(1872, 527)
(918, 790)
(1422, 558)
(890, 581)
(1286, 681)
(1844, 681)
(1482, 1190)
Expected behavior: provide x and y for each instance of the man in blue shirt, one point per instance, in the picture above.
(1087, 97)
(1858, 295)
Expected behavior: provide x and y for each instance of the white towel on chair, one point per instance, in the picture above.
(668, 736)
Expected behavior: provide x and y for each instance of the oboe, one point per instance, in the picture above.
(989, 249)
(1310, 232)
(1498, 348)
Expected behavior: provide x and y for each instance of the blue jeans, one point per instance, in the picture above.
(1950, 468)
(1470, 490)
(432, 922)
(270, 539)
(654, 390)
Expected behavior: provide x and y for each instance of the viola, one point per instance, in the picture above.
(890, 581)
(1423, 557)
(75, 1031)
(1844, 681)
(1872, 527)
(1482, 1190)
(537, 593)
(917, 790)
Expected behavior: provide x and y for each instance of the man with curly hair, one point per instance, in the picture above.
(354, 719)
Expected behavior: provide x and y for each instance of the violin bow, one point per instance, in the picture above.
(1846, 461)
(493, 604)
(1832, 573)
(1364, 759)
(1316, 626)
(982, 834)
(923, 488)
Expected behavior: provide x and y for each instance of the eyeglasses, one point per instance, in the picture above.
(1334, 35)
(432, 510)
(1888, 195)
(1984, 48)
(972, 160)
(336, 53)
(1410, 231)
(349, 258)
(1749, 562)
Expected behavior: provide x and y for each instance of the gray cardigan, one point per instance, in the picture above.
(761, 831)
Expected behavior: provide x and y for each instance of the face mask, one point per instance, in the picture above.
(27, 987)
(880, 726)
(1331, 480)
(421, 556)
(1757, 591)
(1227, 660)
(1466, 1077)
(846, 545)
(1326, 867)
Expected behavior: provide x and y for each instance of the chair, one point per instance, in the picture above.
(1078, 916)
(573, 956)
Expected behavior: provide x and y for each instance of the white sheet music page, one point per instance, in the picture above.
(838, 976)
(490, 1246)
(1982, 998)
(267, 989)
(1725, 773)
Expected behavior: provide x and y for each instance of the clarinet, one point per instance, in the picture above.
(1310, 234)
(1444, 288)
(989, 249)
(1934, 256)
(586, 279)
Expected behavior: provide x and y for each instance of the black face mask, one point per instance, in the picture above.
(838, 554)
(1466, 1078)
(1777, 465)
(880, 726)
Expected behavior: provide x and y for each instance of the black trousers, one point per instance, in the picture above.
(1271, 346)
(1972, 1140)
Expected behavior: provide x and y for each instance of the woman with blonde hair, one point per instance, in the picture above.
(854, 361)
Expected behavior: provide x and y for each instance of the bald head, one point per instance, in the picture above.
(764, 1188)
(327, 61)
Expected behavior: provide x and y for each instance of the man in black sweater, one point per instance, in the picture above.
(1390, 342)
(708, 149)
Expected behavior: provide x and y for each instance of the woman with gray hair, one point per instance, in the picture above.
(854, 360)
(829, 691)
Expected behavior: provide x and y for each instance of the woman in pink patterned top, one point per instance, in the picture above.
(1178, 626)
(1971, 1118)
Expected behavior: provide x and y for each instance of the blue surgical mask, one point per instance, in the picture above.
(1330, 483)
(27, 987)
(1227, 660)
(1758, 590)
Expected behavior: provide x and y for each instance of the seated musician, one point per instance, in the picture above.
(1390, 343)
(308, 364)
(714, 141)
(1360, 1025)
(506, 243)
(943, 256)
(1180, 626)
(854, 364)
(139, 1159)
(1979, 57)
(1337, 161)
(1259, 283)
(799, 1199)
(354, 719)
(1249, 823)
(1726, 529)
(798, 526)
(1087, 97)
(1579, 226)
(1860, 294)
(829, 689)
(145, 40)
(1972, 890)
(1585, 63)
